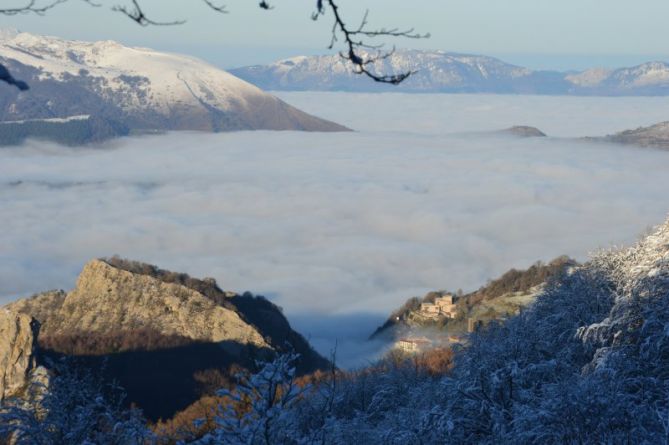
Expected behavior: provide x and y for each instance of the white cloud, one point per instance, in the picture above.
(336, 223)
(453, 113)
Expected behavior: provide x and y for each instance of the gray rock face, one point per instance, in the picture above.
(444, 72)
(18, 337)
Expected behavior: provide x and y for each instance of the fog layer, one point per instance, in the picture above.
(338, 223)
(457, 113)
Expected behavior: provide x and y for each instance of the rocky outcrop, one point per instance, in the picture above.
(43, 307)
(121, 305)
(162, 336)
(18, 336)
(108, 300)
(656, 136)
(523, 131)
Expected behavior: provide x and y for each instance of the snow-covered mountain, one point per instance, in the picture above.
(435, 71)
(137, 88)
(650, 78)
(439, 71)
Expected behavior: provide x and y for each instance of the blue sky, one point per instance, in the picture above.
(540, 33)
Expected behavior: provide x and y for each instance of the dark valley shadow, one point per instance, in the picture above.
(165, 381)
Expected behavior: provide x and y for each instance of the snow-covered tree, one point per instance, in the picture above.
(258, 410)
(587, 363)
(75, 408)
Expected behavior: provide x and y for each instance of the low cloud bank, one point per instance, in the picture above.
(324, 223)
(557, 116)
(344, 335)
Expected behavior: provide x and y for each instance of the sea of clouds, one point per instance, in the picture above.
(339, 229)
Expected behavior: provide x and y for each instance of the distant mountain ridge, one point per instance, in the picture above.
(445, 72)
(124, 90)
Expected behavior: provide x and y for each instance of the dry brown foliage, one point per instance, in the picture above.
(191, 423)
(436, 362)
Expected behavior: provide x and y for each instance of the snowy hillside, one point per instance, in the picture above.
(650, 78)
(141, 88)
(587, 363)
(439, 71)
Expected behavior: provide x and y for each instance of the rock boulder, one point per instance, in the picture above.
(18, 337)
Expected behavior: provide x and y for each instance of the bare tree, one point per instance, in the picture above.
(354, 41)
(360, 43)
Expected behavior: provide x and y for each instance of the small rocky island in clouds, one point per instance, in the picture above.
(653, 136)
(91, 91)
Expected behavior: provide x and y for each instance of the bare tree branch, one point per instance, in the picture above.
(353, 38)
(136, 14)
(353, 41)
(215, 7)
(31, 6)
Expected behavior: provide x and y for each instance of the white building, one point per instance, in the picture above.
(413, 345)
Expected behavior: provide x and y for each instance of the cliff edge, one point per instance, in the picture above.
(18, 337)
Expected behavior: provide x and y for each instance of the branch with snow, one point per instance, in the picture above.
(257, 409)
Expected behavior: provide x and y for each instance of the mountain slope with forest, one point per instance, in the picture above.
(585, 363)
(498, 299)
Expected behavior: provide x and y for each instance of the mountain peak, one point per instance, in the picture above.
(109, 299)
(136, 89)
